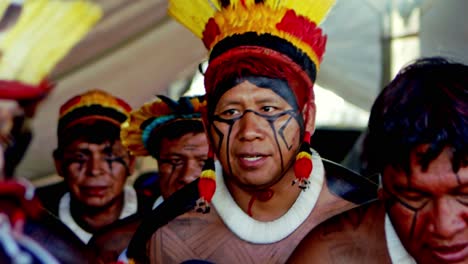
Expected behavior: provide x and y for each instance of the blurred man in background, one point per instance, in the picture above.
(172, 133)
(94, 164)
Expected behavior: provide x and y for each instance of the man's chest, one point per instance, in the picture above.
(205, 237)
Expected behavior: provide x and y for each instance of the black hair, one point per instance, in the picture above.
(172, 131)
(425, 104)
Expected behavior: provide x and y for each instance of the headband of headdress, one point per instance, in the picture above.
(143, 124)
(270, 38)
(44, 33)
(90, 106)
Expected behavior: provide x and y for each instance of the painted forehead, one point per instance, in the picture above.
(79, 145)
(278, 86)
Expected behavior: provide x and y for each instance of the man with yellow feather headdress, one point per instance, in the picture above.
(263, 188)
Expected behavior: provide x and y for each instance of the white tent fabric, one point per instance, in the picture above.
(136, 51)
(352, 63)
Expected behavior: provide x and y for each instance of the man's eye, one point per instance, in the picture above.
(269, 109)
(76, 160)
(177, 161)
(201, 163)
(229, 113)
(414, 199)
(113, 156)
(76, 157)
(174, 162)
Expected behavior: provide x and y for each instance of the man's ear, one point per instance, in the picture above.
(58, 162)
(308, 113)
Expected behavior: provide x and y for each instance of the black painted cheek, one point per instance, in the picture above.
(393, 200)
(109, 164)
(282, 136)
(118, 160)
(228, 140)
(68, 162)
(271, 119)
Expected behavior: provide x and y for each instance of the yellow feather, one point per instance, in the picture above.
(43, 35)
(273, 4)
(249, 2)
(76, 18)
(193, 14)
(313, 9)
(3, 7)
(215, 4)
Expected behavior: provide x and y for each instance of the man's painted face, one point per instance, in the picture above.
(256, 135)
(181, 161)
(95, 173)
(429, 209)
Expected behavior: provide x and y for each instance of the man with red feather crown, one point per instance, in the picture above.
(263, 187)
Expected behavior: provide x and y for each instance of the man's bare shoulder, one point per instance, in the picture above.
(354, 236)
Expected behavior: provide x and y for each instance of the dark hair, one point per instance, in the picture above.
(96, 131)
(172, 131)
(426, 104)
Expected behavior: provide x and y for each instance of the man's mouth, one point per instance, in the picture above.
(94, 191)
(452, 253)
(251, 160)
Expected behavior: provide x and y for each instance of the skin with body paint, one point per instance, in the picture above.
(429, 209)
(96, 174)
(256, 135)
(181, 161)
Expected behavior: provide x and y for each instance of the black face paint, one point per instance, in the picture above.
(271, 119)
(109, 159)
(393, 200)
(173, 166)
(120, 160)
(278, 86)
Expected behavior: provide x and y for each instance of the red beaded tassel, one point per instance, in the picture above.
(206, 184)
(303, 165)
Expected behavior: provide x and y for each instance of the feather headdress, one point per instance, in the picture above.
(142, 125)
(271, 38)
(44, 33)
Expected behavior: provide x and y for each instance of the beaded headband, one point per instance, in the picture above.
(92, 105)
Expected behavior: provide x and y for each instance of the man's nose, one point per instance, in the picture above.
(251, 126)
(190, 172)
(447, 218)
(96, 165)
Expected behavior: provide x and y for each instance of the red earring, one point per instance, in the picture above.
(207, 184)
(303, 165)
